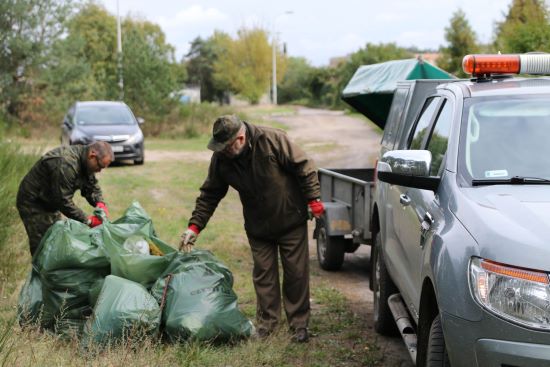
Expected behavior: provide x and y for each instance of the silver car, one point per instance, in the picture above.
(112, 122)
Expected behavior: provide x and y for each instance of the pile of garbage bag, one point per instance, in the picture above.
(120, 280)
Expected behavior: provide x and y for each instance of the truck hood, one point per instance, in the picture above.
(510, 223)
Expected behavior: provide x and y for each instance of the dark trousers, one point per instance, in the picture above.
(293, 248)
(37, 221)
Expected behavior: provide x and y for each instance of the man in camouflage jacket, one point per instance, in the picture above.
(276, 183)
(47, 190)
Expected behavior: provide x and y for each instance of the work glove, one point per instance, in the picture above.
(104, 207)
(189, 237)
(93, 221)
(316, 208)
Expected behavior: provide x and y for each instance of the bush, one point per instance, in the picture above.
(187, 121)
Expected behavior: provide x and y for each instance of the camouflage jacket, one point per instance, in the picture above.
(274, 178)
(53, 180)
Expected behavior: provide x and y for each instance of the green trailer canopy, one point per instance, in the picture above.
(370, 90)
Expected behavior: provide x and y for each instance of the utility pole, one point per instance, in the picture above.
(119, 55)
(274, 58)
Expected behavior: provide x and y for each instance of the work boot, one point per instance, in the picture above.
(300, 335)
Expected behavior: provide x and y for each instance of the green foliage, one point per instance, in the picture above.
(461, 40)
(201, 58)
(525, 28)
(150, 71)
(247, 64)
(28, 28)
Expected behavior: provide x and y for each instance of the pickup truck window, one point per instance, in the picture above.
(421, 130)
(505, 137)
(439, 139)
(394, 117)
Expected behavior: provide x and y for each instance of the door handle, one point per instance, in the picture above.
(404, 199)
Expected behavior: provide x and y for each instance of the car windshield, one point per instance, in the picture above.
(104, 115)
(506, 137)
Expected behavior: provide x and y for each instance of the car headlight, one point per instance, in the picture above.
(516, 294)
(135, 138)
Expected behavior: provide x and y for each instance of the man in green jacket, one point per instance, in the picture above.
(47, 190)
(276, 183)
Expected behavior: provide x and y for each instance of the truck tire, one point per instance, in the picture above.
(383, 288)
(436, 355)
(330, 249)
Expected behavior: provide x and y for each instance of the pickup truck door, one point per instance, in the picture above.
(415, 206)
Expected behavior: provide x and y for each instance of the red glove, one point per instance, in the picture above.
(103, 206)
(194, 228)
(317, 208)
(93, 221)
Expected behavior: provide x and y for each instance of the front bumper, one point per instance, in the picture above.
(494, 342)
(127, 151)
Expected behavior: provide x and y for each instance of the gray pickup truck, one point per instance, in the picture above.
(461, 217)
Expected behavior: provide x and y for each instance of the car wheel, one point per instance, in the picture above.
(140, 160)
(383, 288)
(437, 356)
(330, 249)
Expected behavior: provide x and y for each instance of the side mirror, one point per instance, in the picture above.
(67, 123)
(140, 120)
(410, 168)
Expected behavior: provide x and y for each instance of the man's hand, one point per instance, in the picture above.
(93, 221)
(188, 238)
(104, 207)
(316, 208)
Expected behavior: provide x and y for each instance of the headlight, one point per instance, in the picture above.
(135, 138)
(516, 294)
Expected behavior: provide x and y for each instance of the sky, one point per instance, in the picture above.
(316, 30)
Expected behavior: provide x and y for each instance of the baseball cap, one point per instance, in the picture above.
(225, 129)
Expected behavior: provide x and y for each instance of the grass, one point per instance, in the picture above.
(167, 190)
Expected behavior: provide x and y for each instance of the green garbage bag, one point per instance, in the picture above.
(124, 309)
(30, 302)
(69, 260)
(198, 299)
(141, 268)
(70, 244)
(66, 294)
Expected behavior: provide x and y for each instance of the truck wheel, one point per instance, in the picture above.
(383, 288)
(330, 249)
(437, 356)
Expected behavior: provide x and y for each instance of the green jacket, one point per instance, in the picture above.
(51, 183)
(274, 178)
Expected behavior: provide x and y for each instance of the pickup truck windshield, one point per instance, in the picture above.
(503, 138)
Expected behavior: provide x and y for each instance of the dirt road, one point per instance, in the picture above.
(335, 140)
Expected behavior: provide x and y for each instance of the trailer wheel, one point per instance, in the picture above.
(436, 355)
(383, 288)
(330, 249)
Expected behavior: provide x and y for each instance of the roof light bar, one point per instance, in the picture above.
(506, 64)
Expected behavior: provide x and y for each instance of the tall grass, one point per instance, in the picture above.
(14, 164)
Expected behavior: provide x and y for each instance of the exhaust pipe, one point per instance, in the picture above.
(401, 317)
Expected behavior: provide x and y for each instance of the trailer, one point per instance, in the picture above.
(346, 195)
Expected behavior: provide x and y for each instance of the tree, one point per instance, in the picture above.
(246, 65)
(150, 71)
(28, 28)
(295, 85)
(461, 41)
(200, 61)
(525, 28)
(95, 28)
